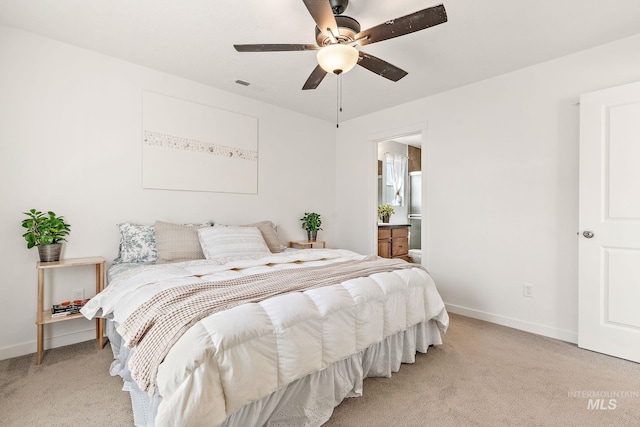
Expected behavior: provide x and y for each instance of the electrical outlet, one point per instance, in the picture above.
(527, 290)
(78, 294)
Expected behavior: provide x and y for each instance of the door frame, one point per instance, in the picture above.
(385, 135)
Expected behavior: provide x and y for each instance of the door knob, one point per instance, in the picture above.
(588, 234)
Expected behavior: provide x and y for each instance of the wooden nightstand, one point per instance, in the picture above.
(44, 316)
(303, 244)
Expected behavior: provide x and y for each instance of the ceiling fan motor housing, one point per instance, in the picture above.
(347, 30)
(338, 6)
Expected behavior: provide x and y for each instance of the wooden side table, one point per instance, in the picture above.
(303, 244)
(43, 316)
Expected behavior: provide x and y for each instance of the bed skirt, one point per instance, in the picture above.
(308, 401)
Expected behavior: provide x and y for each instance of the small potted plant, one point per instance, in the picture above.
(47, 232)
(311, 222)
(384, 212)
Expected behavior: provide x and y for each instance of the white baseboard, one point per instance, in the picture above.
(49, 342)
(535, 328)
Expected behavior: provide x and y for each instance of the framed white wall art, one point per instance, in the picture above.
(191, 146)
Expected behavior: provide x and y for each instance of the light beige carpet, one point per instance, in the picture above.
(483, 375)
(72, 387)
(490, 375)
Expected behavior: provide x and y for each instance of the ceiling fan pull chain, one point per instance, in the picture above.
(338, 102)
(340, 88)
(338, 99)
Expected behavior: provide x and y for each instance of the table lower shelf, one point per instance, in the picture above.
(47, 318)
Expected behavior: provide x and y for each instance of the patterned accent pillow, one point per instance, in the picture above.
(230, 243)
(137, 243)
(178, 242)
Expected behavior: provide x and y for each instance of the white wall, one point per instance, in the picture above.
(501, 186)
(70, 141)
(501, 159)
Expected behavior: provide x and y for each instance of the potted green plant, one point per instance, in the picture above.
(47, 232)
(384, 212)
(311, 222)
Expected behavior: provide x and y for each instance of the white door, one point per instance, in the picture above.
(609, 236)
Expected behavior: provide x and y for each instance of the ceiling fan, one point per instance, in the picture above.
(337, 34)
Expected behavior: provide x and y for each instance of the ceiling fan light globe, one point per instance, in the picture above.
(337, 58)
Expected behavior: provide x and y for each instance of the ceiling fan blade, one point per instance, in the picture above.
(405, 25)
(274, 47)
(315, 78)
(322, 14)
(380, 67)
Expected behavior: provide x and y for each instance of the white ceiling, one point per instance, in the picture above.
(193, 39)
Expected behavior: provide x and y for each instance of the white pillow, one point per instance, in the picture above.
(269, 233)
(225, 244)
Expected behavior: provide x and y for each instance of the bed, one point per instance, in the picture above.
(239, 336)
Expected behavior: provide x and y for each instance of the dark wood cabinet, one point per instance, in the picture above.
(393, 241)
(384, 242)
(415, 159)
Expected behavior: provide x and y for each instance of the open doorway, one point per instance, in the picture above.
(400, 186)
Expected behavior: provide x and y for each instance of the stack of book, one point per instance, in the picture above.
(68, 307)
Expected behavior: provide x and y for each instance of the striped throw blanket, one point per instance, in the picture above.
(158, 323)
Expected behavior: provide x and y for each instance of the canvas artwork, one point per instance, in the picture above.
(191, 146)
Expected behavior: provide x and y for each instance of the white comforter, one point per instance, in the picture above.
(242, 354)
